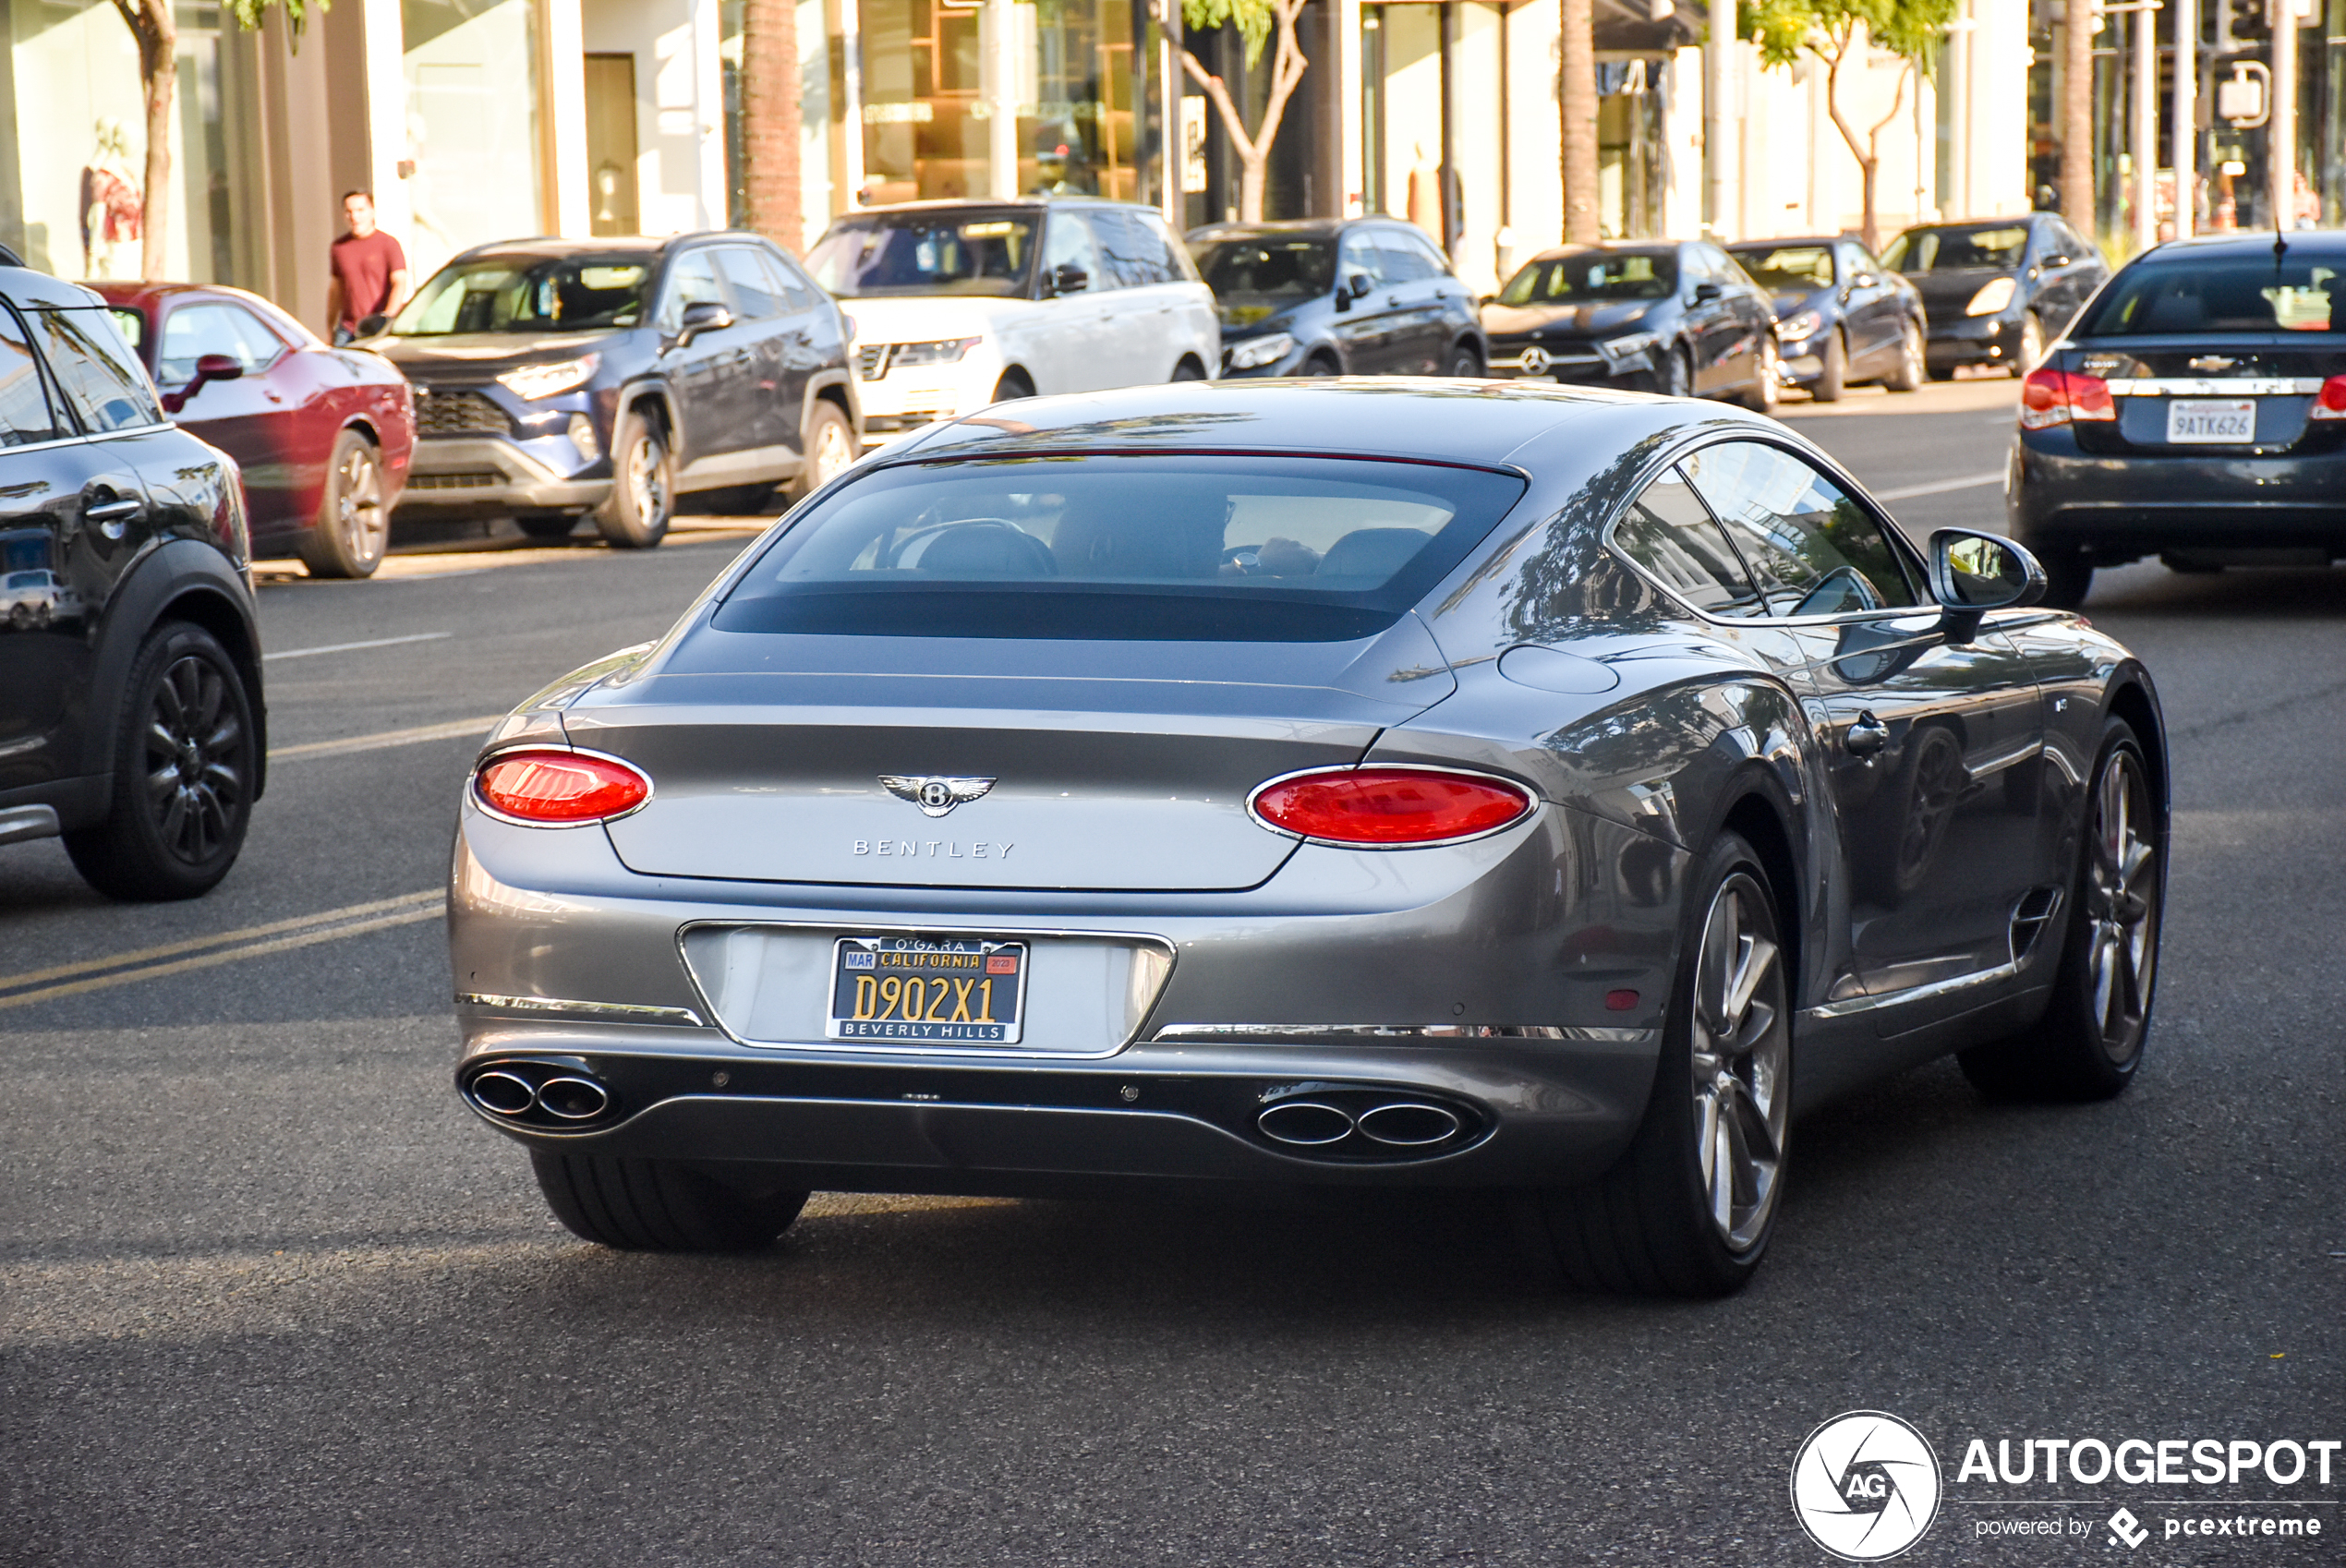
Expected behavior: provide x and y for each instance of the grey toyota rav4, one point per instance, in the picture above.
(557, 379)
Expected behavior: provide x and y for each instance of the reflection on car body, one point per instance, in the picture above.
(1385, 783)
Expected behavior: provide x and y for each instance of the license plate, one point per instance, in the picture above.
(2227, 419)
(941, 990)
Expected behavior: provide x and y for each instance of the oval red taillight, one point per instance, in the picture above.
(1390, 805)
(561, 786)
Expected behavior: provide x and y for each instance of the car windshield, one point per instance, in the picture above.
(2247, 295)
(1952, 250)
(1194, 547)
(527, 294)
(1787, 269)
(899, 253)
(1268, 269)
(1593, 276)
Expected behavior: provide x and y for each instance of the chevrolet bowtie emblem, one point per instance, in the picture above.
(934, 794)
(2213, 362)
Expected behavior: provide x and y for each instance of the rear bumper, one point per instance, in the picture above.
(456, 476)
(2123, 508)
(1972, 340)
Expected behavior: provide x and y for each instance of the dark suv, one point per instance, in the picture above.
(556, 378)
(131, 713)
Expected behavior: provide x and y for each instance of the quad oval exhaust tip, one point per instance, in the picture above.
(572, 1099)
(1305, 1123)
(503, 1093)
(1408, 1125)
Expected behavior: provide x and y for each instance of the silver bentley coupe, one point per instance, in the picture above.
(1239, 785)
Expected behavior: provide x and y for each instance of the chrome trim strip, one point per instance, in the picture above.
(2207, 386)
(1856, 1005)
(1203, 1032)
(2012, 758)
(19, 823)
(608, 1012)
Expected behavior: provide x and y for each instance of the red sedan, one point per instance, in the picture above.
(324, 435)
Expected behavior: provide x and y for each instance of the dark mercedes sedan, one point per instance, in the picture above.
(1998, 290)
(2196, 412)
(131, 715)
(1680, 318)
(1274, 785)
(557, 379)
(1842, 317)
(1328, 298)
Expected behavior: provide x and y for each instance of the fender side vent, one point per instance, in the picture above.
(2029, 918)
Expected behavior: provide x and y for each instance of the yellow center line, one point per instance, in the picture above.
(254, 950)
(462, 729)
(193, 944)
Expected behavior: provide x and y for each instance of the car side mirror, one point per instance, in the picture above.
(1973, 573)
(209, 368)
(1360, 285)
(1705, 292)
(702, 316)
(1068, 278)
(372, 326)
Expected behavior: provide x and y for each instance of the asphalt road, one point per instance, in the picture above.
(269, 1295)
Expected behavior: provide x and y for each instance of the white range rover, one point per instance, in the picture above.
(960, 304)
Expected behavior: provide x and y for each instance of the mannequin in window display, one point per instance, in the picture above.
(112, 209)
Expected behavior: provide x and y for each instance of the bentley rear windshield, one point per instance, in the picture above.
(1206, 547)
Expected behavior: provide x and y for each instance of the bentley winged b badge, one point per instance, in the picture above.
(935, 795)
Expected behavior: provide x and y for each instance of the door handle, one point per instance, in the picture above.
(1866, 737)
(111, 511)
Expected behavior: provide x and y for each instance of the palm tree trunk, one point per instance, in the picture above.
(2077, 116)
(1576, 51)
(772, 123)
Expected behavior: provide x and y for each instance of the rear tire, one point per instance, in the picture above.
(185, 761)
(352, 528)
(637, 512)
(1910, 370)
(831, 447)
(660, 1205)
(1688, 1208)
(1465, 364)
(2032, 345)
(2069, 575)
(1188, 371)
(2091, 1037)
(1762, 396)
(1675, 377)
(1012, 386)
(1834, 379)
(1319, 364)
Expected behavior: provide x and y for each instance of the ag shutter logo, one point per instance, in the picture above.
(1865, 1485)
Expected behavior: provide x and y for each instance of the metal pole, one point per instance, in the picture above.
(2147, 128)
(2184, 123)
(2281, 131)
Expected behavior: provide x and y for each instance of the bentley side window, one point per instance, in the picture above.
(1670, 533)
(1815, 550)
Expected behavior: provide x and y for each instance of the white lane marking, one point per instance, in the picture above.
(352, 647)
(303, 931)
(462, 729)
(1941, 487)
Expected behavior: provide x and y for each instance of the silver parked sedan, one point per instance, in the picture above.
(1344, 782)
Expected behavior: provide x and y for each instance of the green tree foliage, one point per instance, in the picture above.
(1837, 33)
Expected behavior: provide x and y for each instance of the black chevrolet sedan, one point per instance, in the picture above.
(557, 379)
(1680, 318)
(1998, 290)
(1323, 297)
(1372, 783)
(2196, 412)
(1842, 317)
(130, 714)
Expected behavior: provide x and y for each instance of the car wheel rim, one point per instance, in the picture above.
(1742, 1043)
(194, 786)
(648, 480)
(1767, 374)
(830, 453)
(359, 506)
(1914, 354)
(2121, 908)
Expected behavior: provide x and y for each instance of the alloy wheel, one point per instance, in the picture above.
(832, 453)
(194, 788)
(2121, 907)
(647, 479)
(1910, 352)
(1742, 1043)
(358, 505)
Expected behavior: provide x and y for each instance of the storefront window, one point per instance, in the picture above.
(73, 146)
(472, 124)
(939, 76)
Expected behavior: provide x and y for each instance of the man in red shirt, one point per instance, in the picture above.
(369, 269)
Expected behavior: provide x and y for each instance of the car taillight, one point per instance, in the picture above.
(1389, 807)
(561, 788)
(2055, 397)
(2331, 403)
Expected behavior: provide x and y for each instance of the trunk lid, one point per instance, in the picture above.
(2278, 373)
(1112, 765)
